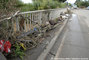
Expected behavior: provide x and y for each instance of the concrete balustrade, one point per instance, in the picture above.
(39, 16)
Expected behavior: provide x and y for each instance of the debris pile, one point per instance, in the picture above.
(15, 43)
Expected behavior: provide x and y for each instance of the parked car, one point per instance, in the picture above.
(88, 8)
(75, 7)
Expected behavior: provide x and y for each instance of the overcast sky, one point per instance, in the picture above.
(27, 1)
(30, 1)
(71, 1)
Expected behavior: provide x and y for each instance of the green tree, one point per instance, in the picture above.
(47, 4)
(51, 0)
(9, 6)
(81, 3)
(60, 0)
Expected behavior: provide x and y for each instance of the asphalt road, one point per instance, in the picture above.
(75, 41)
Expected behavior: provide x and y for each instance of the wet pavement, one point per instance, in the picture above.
(76, 37)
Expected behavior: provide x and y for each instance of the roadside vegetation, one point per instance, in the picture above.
(82, 4)
(43, 4)
(9, 6)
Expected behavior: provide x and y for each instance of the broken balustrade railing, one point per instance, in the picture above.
(23, 24)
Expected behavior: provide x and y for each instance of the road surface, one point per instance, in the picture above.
(75, 41)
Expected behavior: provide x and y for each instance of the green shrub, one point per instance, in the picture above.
(27, 7)
(40, 5)
(82, 3)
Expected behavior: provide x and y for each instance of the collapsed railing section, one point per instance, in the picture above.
(40, 17)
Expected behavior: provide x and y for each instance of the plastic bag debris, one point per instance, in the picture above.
(6, 47)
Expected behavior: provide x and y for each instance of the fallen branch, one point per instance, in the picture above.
(10, 17)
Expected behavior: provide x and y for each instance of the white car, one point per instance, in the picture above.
(88, 8)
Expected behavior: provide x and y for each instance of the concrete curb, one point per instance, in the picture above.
(50, 45)
(2, 57)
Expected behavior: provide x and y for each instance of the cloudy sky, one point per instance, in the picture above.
(30, 1)
(27, 1)
(71, 1)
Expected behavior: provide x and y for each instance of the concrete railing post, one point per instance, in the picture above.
(17, 23)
